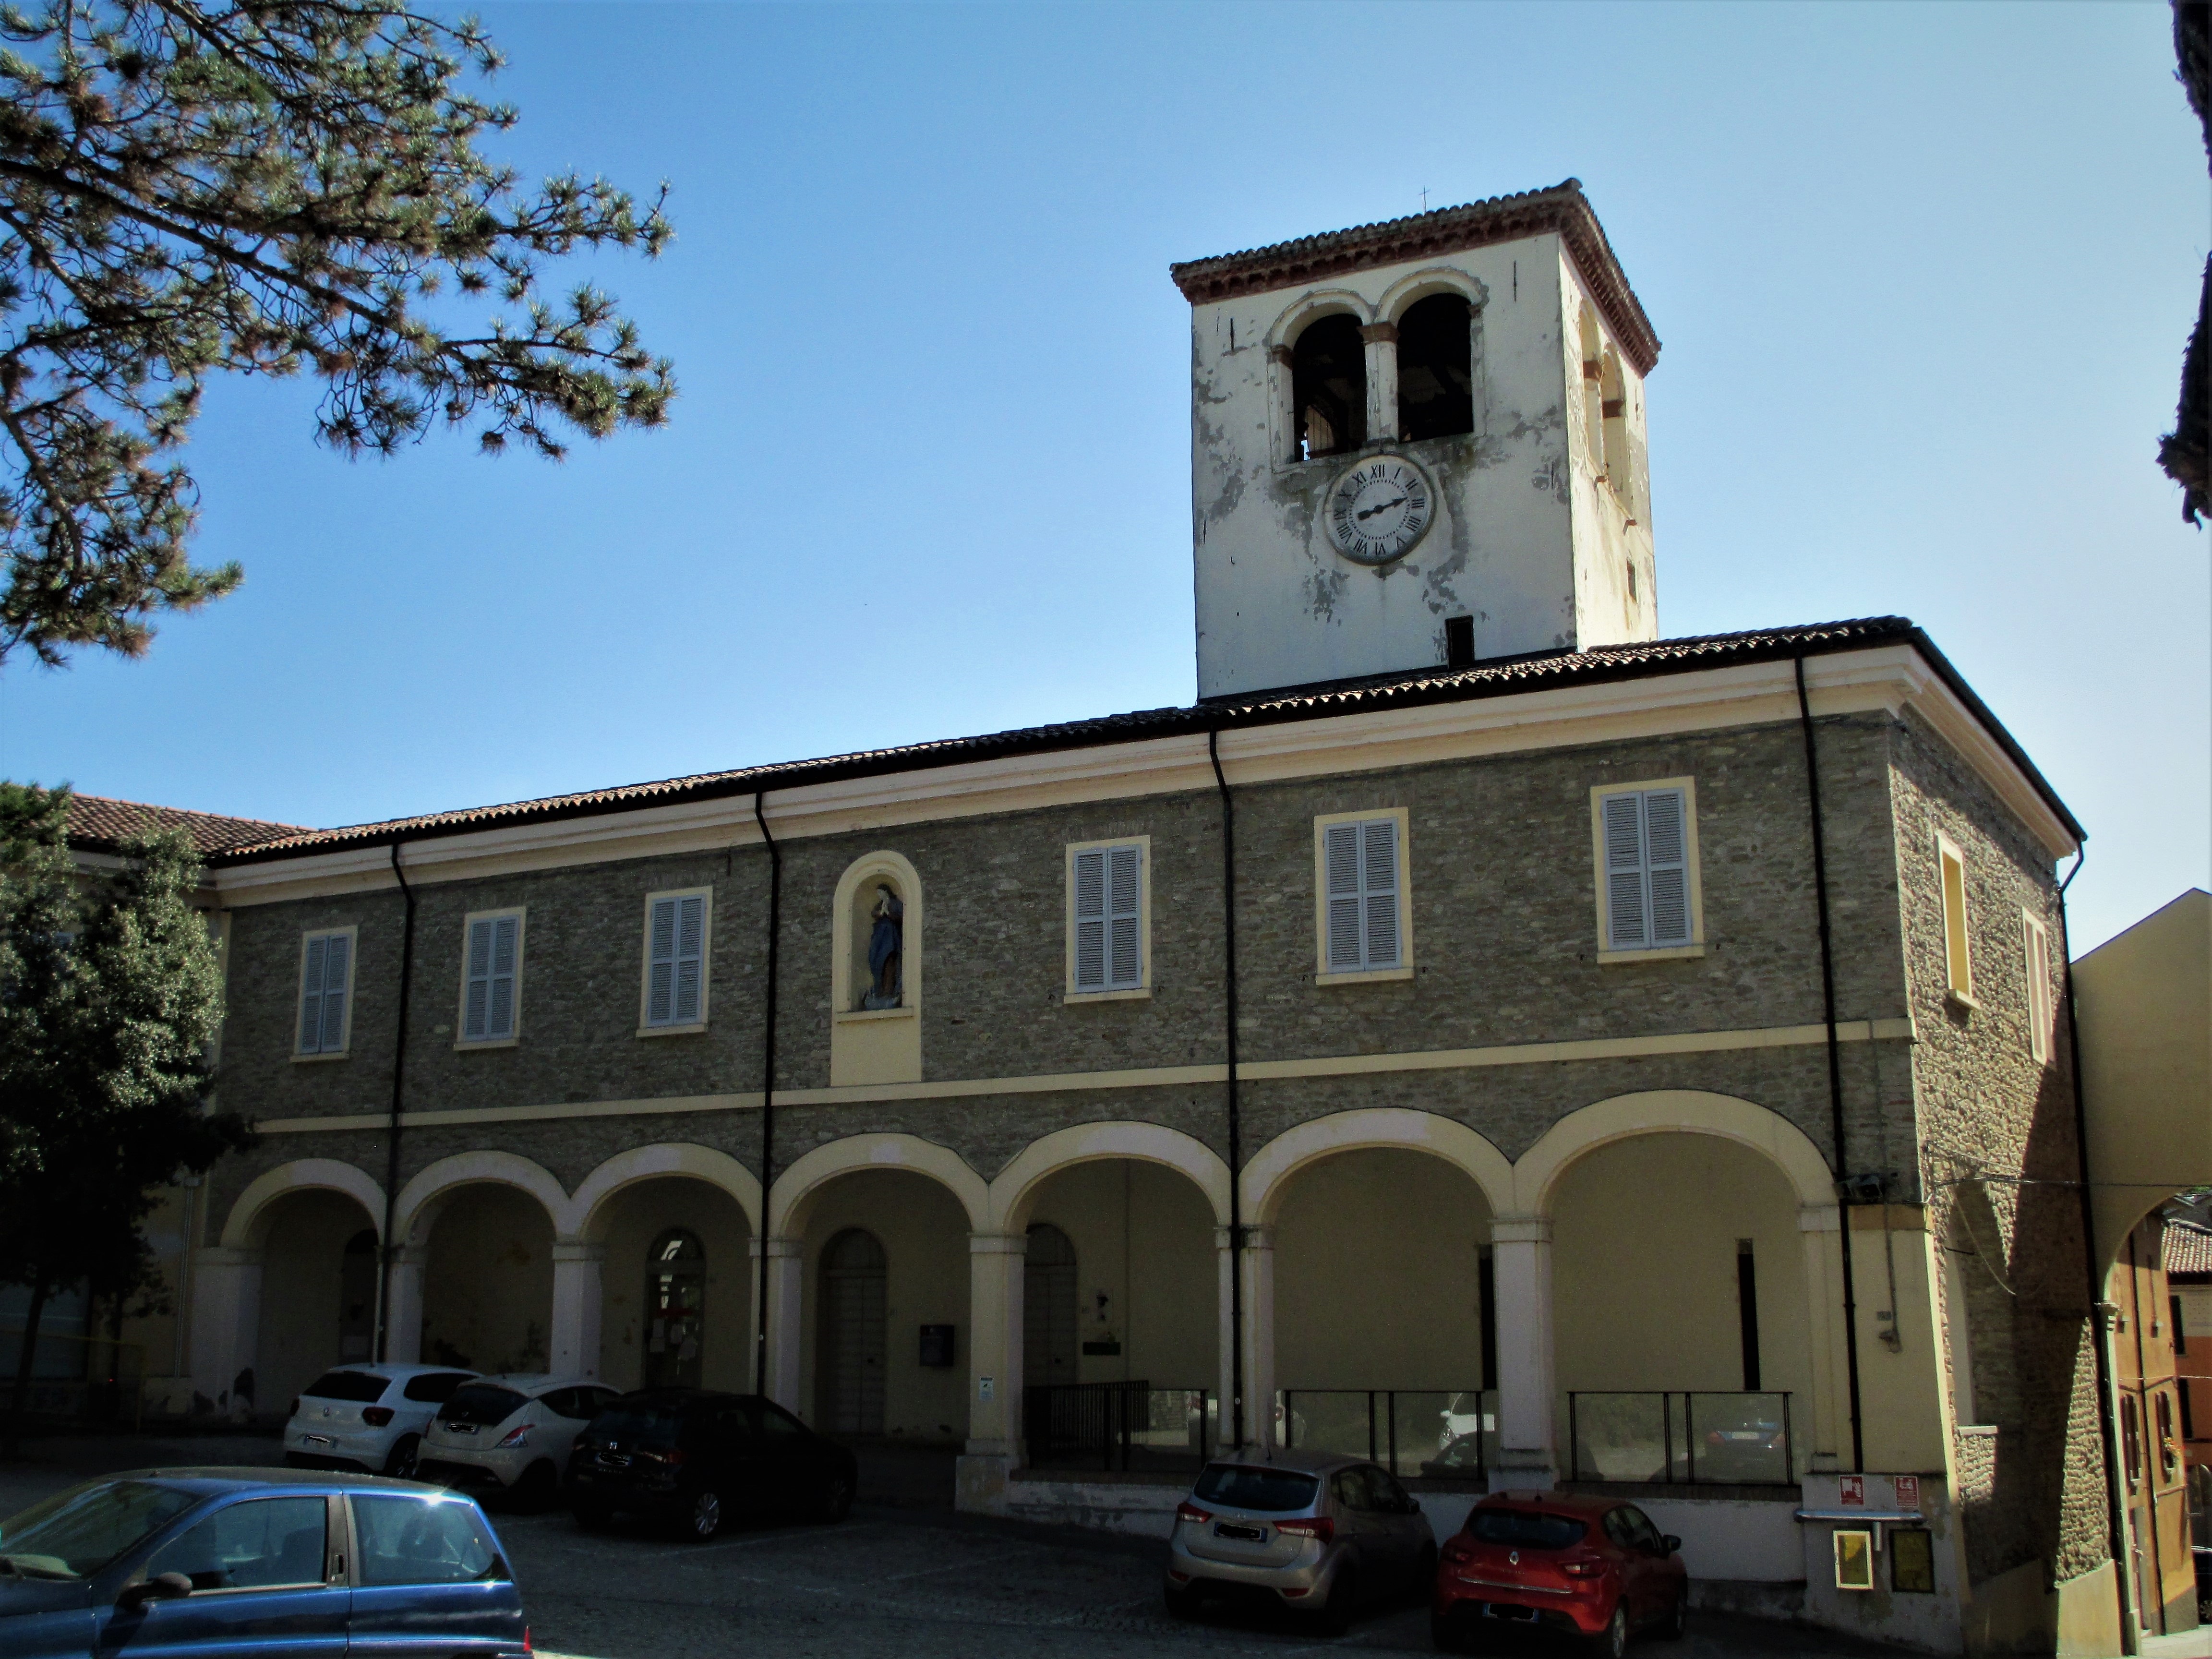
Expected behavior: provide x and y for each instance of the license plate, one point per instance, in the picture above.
(1250, 1534)
(460, 1428)
(317, 1440)
(1509, 1610)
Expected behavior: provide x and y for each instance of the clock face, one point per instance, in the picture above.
(1379, 509)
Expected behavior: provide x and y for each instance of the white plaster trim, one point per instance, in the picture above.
(422, 1198)
(793, 1194)
(1687, 1111)
(246, 1228)
(1523, 1053)
(1271, 1168)
(1889, 677)
(584, 1216)
(1014, 1188)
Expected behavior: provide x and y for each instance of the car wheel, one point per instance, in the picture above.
(1676, 1625)
(1182, 1602)
(538, 1489)
(1612, 1643)
(1335, 1618)
(706, 1514)
(836, 1499)
(1444, 1634)
(406, 1453)
(594, 1517)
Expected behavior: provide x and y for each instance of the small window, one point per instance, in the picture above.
(1649, 897)
(491, 977)
(1435, 368)
(1328, 389)
(2035, 951)
(676, 929)
(1106, 919)
(1363, 909)
(1958, 962)
(1613, 413)
(325, 992)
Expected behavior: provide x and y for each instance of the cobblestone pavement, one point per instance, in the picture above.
(919, 1583)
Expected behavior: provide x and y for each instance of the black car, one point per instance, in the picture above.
(703, 1458)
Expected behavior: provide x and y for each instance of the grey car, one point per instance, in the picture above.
(1318, 1535)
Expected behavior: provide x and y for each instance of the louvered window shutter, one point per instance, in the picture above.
(1647, 869)
(1341, 854)
(1627, 916)
(1378, 869)
(494, 950)
(661, 972)
(311, 998)
(691, 956)
(337, 949)
(476, 1008)
(1090, 919)
(1667, 858)
(1125, 969)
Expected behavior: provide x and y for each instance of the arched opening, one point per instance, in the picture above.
(1328, 389)
(853, 1322)
(875, 973)
(1683, 1338)
(1436, 367)
(312, 1276)
(1385, 1338)
(1048, 1308)
(675, 1312)
(1593, 392)
(487, 1284)
(1612, 412)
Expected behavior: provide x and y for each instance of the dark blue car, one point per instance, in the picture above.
(280, 1564)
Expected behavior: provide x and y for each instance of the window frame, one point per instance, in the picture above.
(1404, 969)
(672, 1027)
(461, 1038)
(352, 934)
(1143, 988)
(1959, 951)
(1692, 865)
(2042, 1003)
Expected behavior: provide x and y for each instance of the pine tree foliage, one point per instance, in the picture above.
(110, 998)
(271, 187)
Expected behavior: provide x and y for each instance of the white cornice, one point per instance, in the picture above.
(1888, 678)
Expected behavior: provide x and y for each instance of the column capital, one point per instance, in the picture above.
(1381, 333)
(1281, 354)
(998, 1243)
(1257, 1237)
(578, 1249)
(1520, 1230)
(773, 1249)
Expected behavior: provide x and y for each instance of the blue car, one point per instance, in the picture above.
(280, 1564)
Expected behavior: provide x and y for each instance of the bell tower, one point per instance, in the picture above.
(1418, 444)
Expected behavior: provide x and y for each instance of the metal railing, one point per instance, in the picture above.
(1118, 1426)
(94, 1379)
(1410, 1431)
(1686, 1438)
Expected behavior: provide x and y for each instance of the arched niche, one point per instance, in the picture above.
(875, 1010)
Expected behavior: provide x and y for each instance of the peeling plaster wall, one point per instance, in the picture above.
(1524, 540)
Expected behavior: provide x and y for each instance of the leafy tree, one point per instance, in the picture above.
(272, 187)
(109, 997)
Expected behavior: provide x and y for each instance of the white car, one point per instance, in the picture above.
(511, 1435)
(367, 1417)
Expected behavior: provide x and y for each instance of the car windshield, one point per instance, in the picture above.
(359, 1387)
(78, 1532)
(651, 1423)
(1527, 1530)
(482, 1402)
(1241, 1486)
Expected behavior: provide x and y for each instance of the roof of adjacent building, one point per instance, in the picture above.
(1505, 677)
(1563, 209)
(2188, 1249)
(99, 824)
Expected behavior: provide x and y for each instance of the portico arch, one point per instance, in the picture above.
(246, 1227)
(1658, 1111)
(422, 1198)
(1401, 1128)
(1013, 1190)
(473, 1285)
(587, 1214)
(796, 1188)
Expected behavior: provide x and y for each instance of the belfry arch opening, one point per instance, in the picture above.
(1436, 367)
(1329, 388)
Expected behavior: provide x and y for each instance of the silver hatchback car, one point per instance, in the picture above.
(1316, 1535)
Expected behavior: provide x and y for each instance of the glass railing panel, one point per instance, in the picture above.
(1620, 1436)
(1446, 1433)
(1337, 1420)
(1738, 1437)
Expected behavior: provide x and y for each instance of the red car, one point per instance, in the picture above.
(1585, 1566)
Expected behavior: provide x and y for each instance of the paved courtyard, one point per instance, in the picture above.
(922, 1583)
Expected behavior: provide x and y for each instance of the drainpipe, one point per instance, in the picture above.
(1835, 1071)
(1236, 1149)
(391, 1139)
(768, 1084)
(2115, 1501)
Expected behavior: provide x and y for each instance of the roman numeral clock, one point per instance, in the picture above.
(1379, 510)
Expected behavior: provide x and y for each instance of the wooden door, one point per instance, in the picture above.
(850, 1389)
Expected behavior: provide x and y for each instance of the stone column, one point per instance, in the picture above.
(1825, 1436)
(1258, 1266)
(1283, 422)
(786, 1310)
(403, 1338)
(1381, 340)
(994, 1369)
(577, 1292)
(225, 1325)
(1521, 1275)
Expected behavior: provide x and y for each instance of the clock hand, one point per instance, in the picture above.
(1370, 511)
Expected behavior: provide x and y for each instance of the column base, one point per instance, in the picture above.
(979, 1482)
(1528, 1472)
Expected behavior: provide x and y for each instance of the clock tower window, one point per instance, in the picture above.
(1328, 389)
(1435, 368)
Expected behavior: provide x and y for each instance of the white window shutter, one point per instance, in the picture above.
(1379, 879)
(1626, 923)
(691, 956)
(1667, 858)
(1342, 856)
(660, 971)
(1090, 920)
(476, 1011)
(1124, 895)
(504, 936)
(334, 954)
(311, 998)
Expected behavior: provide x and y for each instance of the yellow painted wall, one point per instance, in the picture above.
(1143, 1235)
(488, 1287)
(1377, 1266)
(639, 1217)
(924, 1233)
(301, 1264)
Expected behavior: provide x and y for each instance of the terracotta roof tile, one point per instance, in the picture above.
(1504, 677)
(100, 824)
(2188, 1248)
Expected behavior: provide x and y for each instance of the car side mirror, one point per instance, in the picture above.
(1669, 1544)
(165, 1587)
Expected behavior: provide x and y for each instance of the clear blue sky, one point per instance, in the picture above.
(1922, 273)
